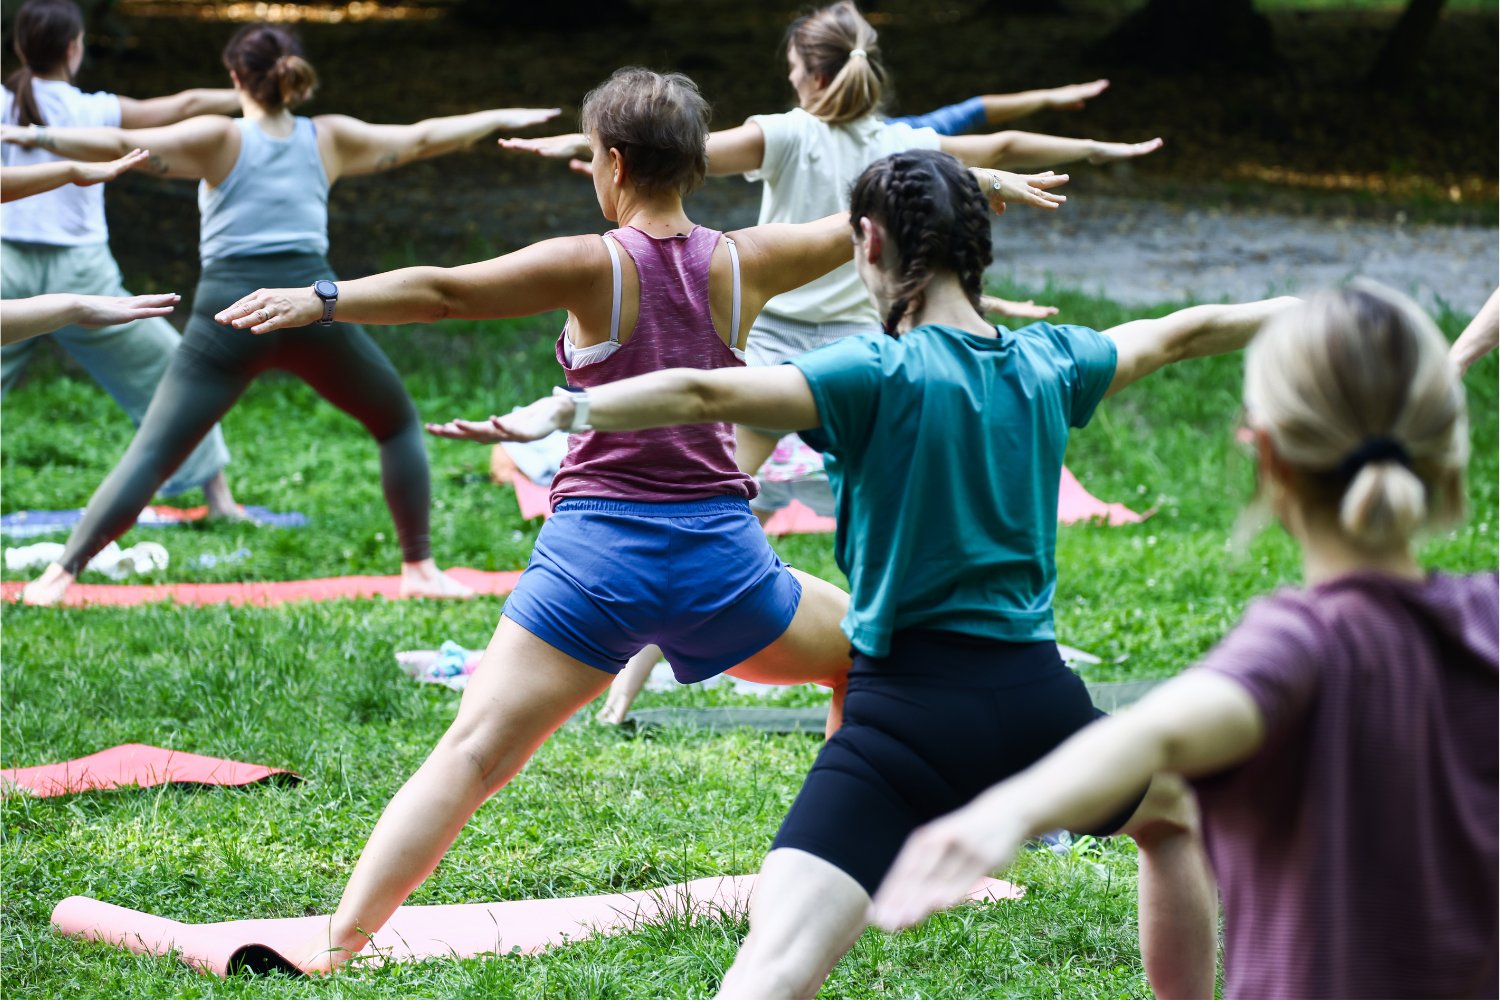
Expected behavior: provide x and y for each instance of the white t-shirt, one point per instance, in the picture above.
(69, 216)
(808, 169)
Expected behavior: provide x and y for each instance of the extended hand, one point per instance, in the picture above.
(105, 310)
(527, 117)
(1109, 152)
(996, 306)
(529, 423)
(553, 147)
(273, 309)
(98, 173)
(1001, 186)
(1073, 96)
(21, 136)
(938, 866)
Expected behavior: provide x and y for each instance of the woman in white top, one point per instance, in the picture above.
(58, 242)
(810, 156)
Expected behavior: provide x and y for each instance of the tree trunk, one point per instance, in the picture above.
(1403, 46)
(1191, 34)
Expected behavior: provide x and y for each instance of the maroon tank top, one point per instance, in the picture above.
(673, 330)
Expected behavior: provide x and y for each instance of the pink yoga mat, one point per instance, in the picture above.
(134, 764)
(463, 930)
(1074, 503)
(274, 592)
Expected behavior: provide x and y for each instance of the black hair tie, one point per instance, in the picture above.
(1378, 449)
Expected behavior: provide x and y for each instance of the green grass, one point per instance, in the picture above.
(314, 688)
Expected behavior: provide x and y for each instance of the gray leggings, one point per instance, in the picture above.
(215, 364)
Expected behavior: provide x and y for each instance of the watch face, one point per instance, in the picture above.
(325, 289)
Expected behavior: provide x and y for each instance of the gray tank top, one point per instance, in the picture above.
(274, 200)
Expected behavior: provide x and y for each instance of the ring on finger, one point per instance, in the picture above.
(265, 317)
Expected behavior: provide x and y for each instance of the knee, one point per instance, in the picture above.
(484, 749)
(1169, 811)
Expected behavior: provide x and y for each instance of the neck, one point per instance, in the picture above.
(1328, 555)
(945, 302)
(59, 74)
(658, 215)
(254, 112)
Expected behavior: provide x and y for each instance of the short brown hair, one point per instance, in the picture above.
(658, 122)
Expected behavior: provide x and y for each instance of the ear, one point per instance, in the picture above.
(872, 240)
(617, 166)
(1270, 460)
(234, 80)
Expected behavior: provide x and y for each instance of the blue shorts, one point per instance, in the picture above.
(699, 579)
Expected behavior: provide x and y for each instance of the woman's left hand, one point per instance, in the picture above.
(270, 309)
(530, 423)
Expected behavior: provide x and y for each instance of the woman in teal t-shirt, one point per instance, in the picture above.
(944, 438)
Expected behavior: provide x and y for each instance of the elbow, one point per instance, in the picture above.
(702, 404)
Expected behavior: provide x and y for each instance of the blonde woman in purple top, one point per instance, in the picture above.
(653, 540)
(1342, 737)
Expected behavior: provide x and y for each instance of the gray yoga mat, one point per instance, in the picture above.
(1108, 696)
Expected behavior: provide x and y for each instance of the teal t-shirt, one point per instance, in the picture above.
(944, 450)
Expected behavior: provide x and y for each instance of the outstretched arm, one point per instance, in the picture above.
(1199, 723)
(173, 108)
(352, 147)
(1145, 345)
(199, 148)
(23, 318)
(735, 150)
(553, 274)
(25, 181)
(1480, 336)
(1000, 108)
(772, 396)
(778, 257)
(1017, 150)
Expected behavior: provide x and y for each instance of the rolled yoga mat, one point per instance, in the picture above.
(267, 592)
(134, 764)
(463, 930)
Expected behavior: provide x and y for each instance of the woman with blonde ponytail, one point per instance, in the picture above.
(263, 196)
(1342, 738)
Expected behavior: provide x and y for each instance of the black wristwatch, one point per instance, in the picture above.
(329, 293)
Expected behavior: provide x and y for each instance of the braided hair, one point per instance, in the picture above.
(933, 212)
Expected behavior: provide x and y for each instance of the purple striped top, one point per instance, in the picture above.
(674, 329)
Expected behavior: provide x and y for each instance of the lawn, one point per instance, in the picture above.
(314, 688)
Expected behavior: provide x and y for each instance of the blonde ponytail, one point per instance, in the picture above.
(1359, 399)
(838, 45)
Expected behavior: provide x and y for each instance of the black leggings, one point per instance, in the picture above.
(214, 364)
(926, 730)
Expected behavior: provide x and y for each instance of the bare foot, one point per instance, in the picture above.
(318, 957)
(424, 579)
(221, 505)
(49, 588)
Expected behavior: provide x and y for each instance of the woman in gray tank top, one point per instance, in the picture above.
(263, 196)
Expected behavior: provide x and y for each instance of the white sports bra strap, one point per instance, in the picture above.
(734, 307)
(614, 304)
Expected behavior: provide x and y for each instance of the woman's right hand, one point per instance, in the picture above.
(86, 174)
(573, 146)
(268, 309)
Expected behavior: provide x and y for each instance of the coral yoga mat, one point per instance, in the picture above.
(266, 592)
(463, 930)
(134, 764)
(1074, 503)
